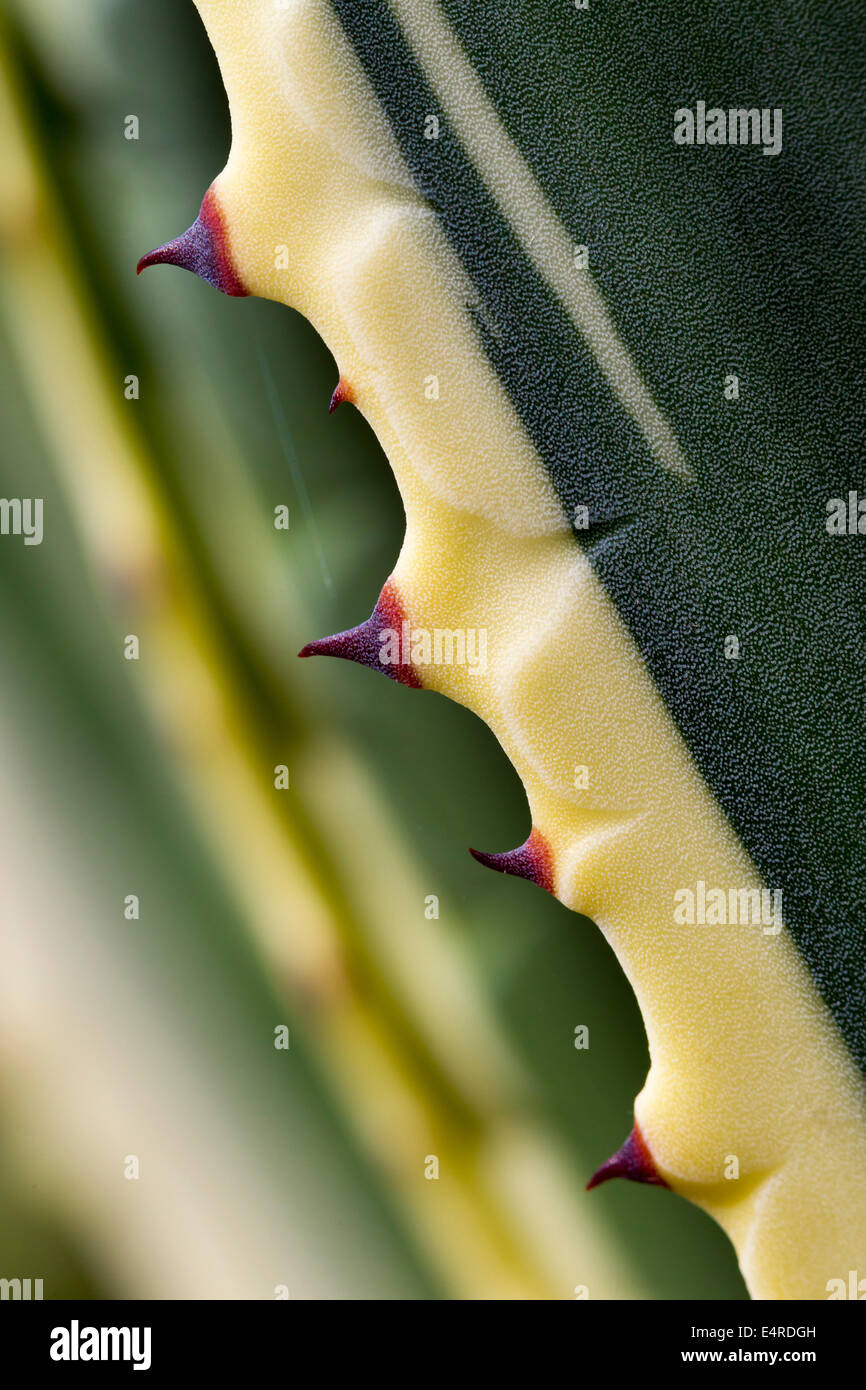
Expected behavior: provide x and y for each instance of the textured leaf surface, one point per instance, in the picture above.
(559, 388)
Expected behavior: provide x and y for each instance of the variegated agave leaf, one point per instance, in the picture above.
(619, 377)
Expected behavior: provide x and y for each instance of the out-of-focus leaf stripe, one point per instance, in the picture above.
(709, 261)
(540, 233)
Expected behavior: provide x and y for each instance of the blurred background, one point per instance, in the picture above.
(242, 1027)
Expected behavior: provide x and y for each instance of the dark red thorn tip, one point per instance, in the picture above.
(342, 393)
(202, 249)
(633, 1161)
(383, 642)
(532, 860)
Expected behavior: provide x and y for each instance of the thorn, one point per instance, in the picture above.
(342, 393)
(386, 628)
(532, 860)
(202, 249)
(633, 1161)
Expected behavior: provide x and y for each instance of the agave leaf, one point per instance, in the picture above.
(619, 390)
(400, 1031)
